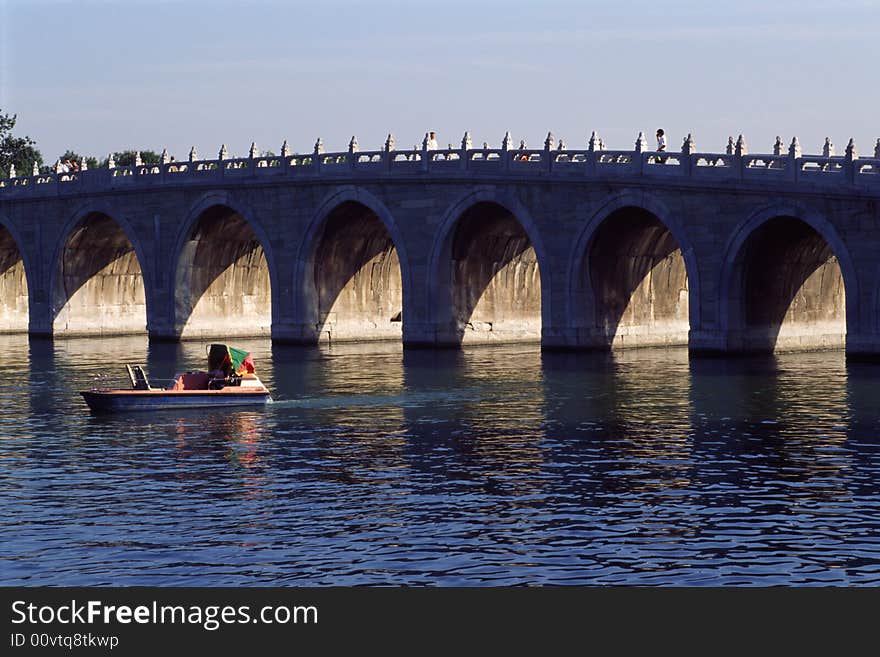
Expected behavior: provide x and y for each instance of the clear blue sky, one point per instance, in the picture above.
(102, 76)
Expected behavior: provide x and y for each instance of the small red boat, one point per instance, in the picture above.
(230, 381)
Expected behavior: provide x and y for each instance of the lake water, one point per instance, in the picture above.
(484, 466)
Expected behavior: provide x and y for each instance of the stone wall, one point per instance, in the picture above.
(496, 280)
(358, 287)
(222, 286)
(98, 284)
(13, 287)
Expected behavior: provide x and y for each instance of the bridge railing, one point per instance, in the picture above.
(826, 171)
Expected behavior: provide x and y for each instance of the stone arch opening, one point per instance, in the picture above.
(222, 284)
(356, 292)
(494, 276)
(98, 284)
(639, 282)
(787, 290)
(13, 286)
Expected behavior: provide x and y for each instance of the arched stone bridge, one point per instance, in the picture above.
(593, 248)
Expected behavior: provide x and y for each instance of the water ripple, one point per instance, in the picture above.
(476, 467)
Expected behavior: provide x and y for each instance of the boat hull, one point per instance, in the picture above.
(156, 400)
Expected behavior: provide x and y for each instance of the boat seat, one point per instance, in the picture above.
(139, 380)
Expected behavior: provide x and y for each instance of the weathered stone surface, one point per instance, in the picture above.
(98, 286)
(581, 249)
(222, 282)
(13, 286)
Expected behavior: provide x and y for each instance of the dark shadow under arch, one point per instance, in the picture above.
(98, 286)
(495, 277)
(788, 290)
(639, 282)
(357, 287)
(222, 282)
(13, 286)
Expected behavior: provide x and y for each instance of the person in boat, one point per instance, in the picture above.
(223, 369)
(219, 366)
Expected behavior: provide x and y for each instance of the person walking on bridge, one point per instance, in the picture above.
(661, 145)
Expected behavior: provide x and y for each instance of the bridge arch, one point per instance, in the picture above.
(16, 280)
(488, 273)
(352, 276)
(787, 282)
(223, 271)
(97, 281)
(633, 278)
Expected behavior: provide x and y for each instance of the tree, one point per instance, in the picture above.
(19, 151)
(126, 158)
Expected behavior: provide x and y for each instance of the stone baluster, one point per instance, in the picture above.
(601, 144)
(794, 154)
(466, 145)
(111, 161)
(317, 152)
(222, 155)
(688, 147)
(828, 148)
(852, 152)
(425, 148)
(388, 149)
(83, 165)
(641, 146)
(12, 170)
(849, 160)
(138, 161)
(594, 145)
(561, 145)
(739, 151)
(778, 146)
(641, 143)
(425, 157)
(35, 171)
(730, 146)
(506, 144)
(353, 148)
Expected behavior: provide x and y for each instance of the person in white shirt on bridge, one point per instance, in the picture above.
(661, 144)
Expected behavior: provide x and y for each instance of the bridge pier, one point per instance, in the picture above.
(863, 348)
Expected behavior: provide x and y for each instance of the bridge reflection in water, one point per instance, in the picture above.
(473, 466)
